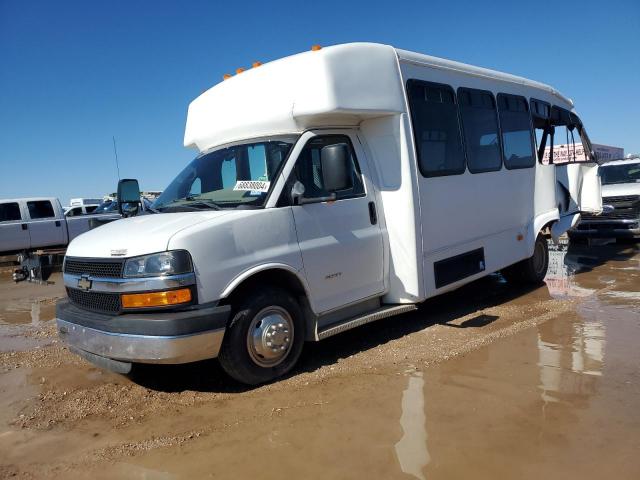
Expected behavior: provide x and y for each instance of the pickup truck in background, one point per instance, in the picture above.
(33, 223)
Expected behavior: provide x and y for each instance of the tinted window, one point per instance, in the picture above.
(40, 209)
(9, 212)
(308, 169)
(436, 128)
(75, 211)
(515, 124)
(91, 208)
(480, 126)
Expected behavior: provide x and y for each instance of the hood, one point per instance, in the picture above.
(620, 189)
(140, 235)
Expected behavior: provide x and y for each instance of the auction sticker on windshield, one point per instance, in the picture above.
(252, 186)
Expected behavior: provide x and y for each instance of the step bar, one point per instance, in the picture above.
(374, 316)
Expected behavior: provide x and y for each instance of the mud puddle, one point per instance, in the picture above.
(491, 381)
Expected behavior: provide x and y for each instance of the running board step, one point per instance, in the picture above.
(364, 319)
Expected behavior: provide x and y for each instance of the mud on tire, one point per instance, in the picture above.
(247, 353)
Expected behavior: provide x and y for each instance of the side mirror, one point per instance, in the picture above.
(335, 160)
(128, 193)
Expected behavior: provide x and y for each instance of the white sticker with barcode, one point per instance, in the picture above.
(252, 186)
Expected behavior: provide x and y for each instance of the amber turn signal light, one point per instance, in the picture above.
(156, 299)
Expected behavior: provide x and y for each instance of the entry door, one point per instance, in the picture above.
(46, 229)
(14, 234)
(578, 188)
(341, 240)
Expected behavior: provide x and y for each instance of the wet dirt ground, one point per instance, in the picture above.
(490, 381)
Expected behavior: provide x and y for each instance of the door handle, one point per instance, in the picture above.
(25, 226)
(373, 215)
(57, 223)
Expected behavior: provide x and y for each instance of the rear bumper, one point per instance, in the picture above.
(176, 337)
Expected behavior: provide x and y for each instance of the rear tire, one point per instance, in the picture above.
(533, 269)
(265, 337)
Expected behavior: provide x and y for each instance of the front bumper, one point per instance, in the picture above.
(172, 337)
(607, 229)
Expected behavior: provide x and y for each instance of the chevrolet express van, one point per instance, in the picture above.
(330, 189)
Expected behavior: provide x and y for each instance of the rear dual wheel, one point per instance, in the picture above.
(533, 269)
(265, 337)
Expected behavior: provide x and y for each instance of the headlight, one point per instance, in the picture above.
(164, 263)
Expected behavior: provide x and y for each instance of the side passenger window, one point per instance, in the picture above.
(480, 126)
(515, 123)
(308, 169)
(40, 209)
(9, 212)
(436, 128)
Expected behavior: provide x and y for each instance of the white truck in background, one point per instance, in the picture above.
(33, 228)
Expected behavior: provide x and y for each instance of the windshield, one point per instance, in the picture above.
(239, 176)
(629, 173)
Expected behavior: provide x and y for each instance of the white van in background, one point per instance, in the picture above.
(621, 203)
(331, 189)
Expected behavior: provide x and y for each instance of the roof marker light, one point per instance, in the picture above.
(256, 64)
(315, 48)
(226, 76)
(239, 70)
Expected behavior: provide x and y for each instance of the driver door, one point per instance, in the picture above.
(340, 240)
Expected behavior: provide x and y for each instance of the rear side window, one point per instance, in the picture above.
(40, 209)
(480, 126)
(436, 127)
(517, 138)
(9, 212)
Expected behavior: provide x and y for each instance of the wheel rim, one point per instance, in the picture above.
(538, 258)
(270, 336)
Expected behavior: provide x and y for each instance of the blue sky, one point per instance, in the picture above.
(75, 73)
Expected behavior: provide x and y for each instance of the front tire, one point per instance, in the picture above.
(264, 339)
(533, 269)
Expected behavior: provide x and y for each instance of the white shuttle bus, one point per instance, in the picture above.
(331, 189)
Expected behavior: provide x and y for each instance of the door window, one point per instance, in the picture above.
(308, 169)
(40, 209)
(9, 212)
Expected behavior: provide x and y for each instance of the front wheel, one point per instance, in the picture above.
(264, 339)
(533, 269)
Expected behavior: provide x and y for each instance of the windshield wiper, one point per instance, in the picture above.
(189, 203)
(193, 201)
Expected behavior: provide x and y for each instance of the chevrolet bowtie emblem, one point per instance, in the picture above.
(84, 283)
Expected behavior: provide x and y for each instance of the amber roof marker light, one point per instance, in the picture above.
(239, 70)
(256, 64)
(226, 76)
(315, 48)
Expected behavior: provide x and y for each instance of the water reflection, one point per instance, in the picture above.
(561, 275)
(411, 450)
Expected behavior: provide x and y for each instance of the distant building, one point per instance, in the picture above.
(564, 153)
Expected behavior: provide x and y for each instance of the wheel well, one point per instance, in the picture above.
(281, 278)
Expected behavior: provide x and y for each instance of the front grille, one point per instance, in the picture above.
(94, 268)
(98, 301)
(624, 208)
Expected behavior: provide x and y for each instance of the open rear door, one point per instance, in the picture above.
(578, 187)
